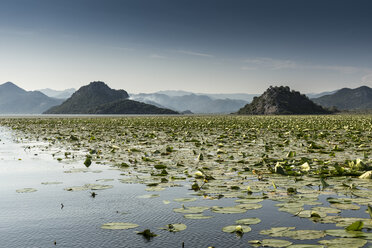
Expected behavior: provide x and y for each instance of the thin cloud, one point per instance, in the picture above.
(192, 53)
(157, 56)
(277, 64)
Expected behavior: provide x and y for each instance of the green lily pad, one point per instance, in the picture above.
(234, 228)
(344, 242)
(26, 190)
(248, 221)
(345, 206)
(119, 226)
(186, 199)
(276, 231)
(197, 216)
(342, 233)
(304, 234)
(190, 210)
(305, 246)
(275, 243)
(148, 196)
(177, 227)
(229, 210)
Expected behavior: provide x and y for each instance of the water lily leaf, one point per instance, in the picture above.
(50, 183)
(369, 209)
(228, 210)
(275, 243)
(190, 210)
(304, 234)
(276, 231)
(166, 202)
(197, 216)
(326, 210)
(248, 221)
(356, 226)
(186, 199)
(305, 246)
(26, 190)
(177, 227)
(342, 233)
(233, 228)
(249, 206)
(119, 226)
(344, 242)
(148, 196)
(345, 206)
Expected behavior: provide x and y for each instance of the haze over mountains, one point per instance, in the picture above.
(348, 99)
(199, 104)
(61, 94)
(98, 98)
(15, 100)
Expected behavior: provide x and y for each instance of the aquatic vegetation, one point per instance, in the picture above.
(295, 161)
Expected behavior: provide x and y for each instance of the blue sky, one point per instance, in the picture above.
(201, 46)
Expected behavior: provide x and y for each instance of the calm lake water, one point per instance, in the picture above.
(37, 220)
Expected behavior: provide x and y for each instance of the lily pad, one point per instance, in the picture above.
(190, 210)
(177, 227)
(233, 228)
(186, 199)
(344, 242)
(26, 190)
(275, 243)
(229, 210)
(248, 221)
(119, 226)
(197, 216)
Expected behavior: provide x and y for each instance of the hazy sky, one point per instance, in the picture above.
(194, 45)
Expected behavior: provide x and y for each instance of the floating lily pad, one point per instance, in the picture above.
(186, 199)
(345, 206)
(275, 243)
(51, 183)
(248, 221)
(89, 187)
(177, 227)
(305, 246)
(119, 226)
(344, 242)
(197, 216)
(233, 228)
(148, 196)
(26, 190)
(228, 210)
(190, 210)
(304, 234)
(276, 231)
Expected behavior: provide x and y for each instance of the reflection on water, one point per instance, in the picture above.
(39, 220)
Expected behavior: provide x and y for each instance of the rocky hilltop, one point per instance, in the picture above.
(282, 101)
(98, 98)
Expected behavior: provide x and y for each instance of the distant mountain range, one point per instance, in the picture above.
(191, 102)
(282, 101)
(15, 100)
(60, 94)
(348, 99)
(98, 98)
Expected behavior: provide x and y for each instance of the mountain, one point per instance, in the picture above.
(233, 96)
(15, 100)
(98, 98)
(61, 94)
(316, 95)
(281, 100)
(192, 102)
(348, 99)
